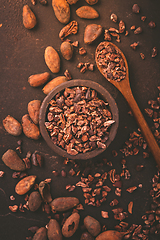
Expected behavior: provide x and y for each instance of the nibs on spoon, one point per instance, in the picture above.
(113, 65)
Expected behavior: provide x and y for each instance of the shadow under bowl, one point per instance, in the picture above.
(103, 94)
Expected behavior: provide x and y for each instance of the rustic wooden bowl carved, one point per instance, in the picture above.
(103, 93)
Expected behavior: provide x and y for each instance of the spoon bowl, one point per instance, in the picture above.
(124, 87)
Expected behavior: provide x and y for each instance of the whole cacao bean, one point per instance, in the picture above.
(62, 10)
(87, 12)
(13, 161)
(111, 235)
(34, 201)
(12, 126)
(92, 225)
(66, 50)
(53, 83)
(92, 32)
(62, 204)
(52, 59)
(29, 128)
(24, 185)
(37, 80)
(54, 231)
(86, 236)
(41, 234)
(33, 110)
(29, 19)
(72, 1)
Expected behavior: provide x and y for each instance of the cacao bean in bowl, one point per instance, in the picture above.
(79, 119)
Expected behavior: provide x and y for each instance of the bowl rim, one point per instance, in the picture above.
(105, 96)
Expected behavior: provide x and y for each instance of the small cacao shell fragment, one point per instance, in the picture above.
(43, 2)
(87, 12)
(92, 32)
(62, 10)
(44, 189)
(54, 231)
(37, 80)
(24, 185)
(111, 235)
(70, 28)
(29, 19)
(92, 225)
(12, 126)
(52, 59)
(53, 83)
(13, 161)
(72, 1)
(30, 129)
(33, 110)
(34, 201)
(62, 204)
(66, 50)
(41, 234)
(86, 236)
(91, 2)
(71, 224)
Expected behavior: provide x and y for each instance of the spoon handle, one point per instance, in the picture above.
(152, 144)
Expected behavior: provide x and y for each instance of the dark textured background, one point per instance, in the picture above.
(21, 55)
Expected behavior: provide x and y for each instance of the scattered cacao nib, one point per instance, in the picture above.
(107, 36)
(63, 173)
(16, 174)
(83, 69)
(43, 2)
(138, 30)
(114, 17)
(139, 168)
(130, 207)
(134, 45)
(67, 75)
(12, 198)
(114, 153)
(56, 173)
(122, 26)
(152, 24)
(142, 56)
(133, 27)
(19, 148)
(118, 191)
(154, 52)
(135, 8)
(27, 163)
(114, 202)
(1, 174)
(80, 65)
(75, 44)
(143, 18)
(104, 214)
(126, 33)
(131, 189)
(91, 67)
(13, 208)
(82, 51)
(33, 2)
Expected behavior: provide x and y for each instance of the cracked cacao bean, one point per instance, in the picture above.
(71, 225)
(70, 28)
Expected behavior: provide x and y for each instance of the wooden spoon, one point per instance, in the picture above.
(124, 87)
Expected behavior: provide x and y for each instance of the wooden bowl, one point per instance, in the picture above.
(103, 93)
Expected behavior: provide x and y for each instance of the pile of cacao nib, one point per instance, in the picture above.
(78, 120)
(111, 62)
